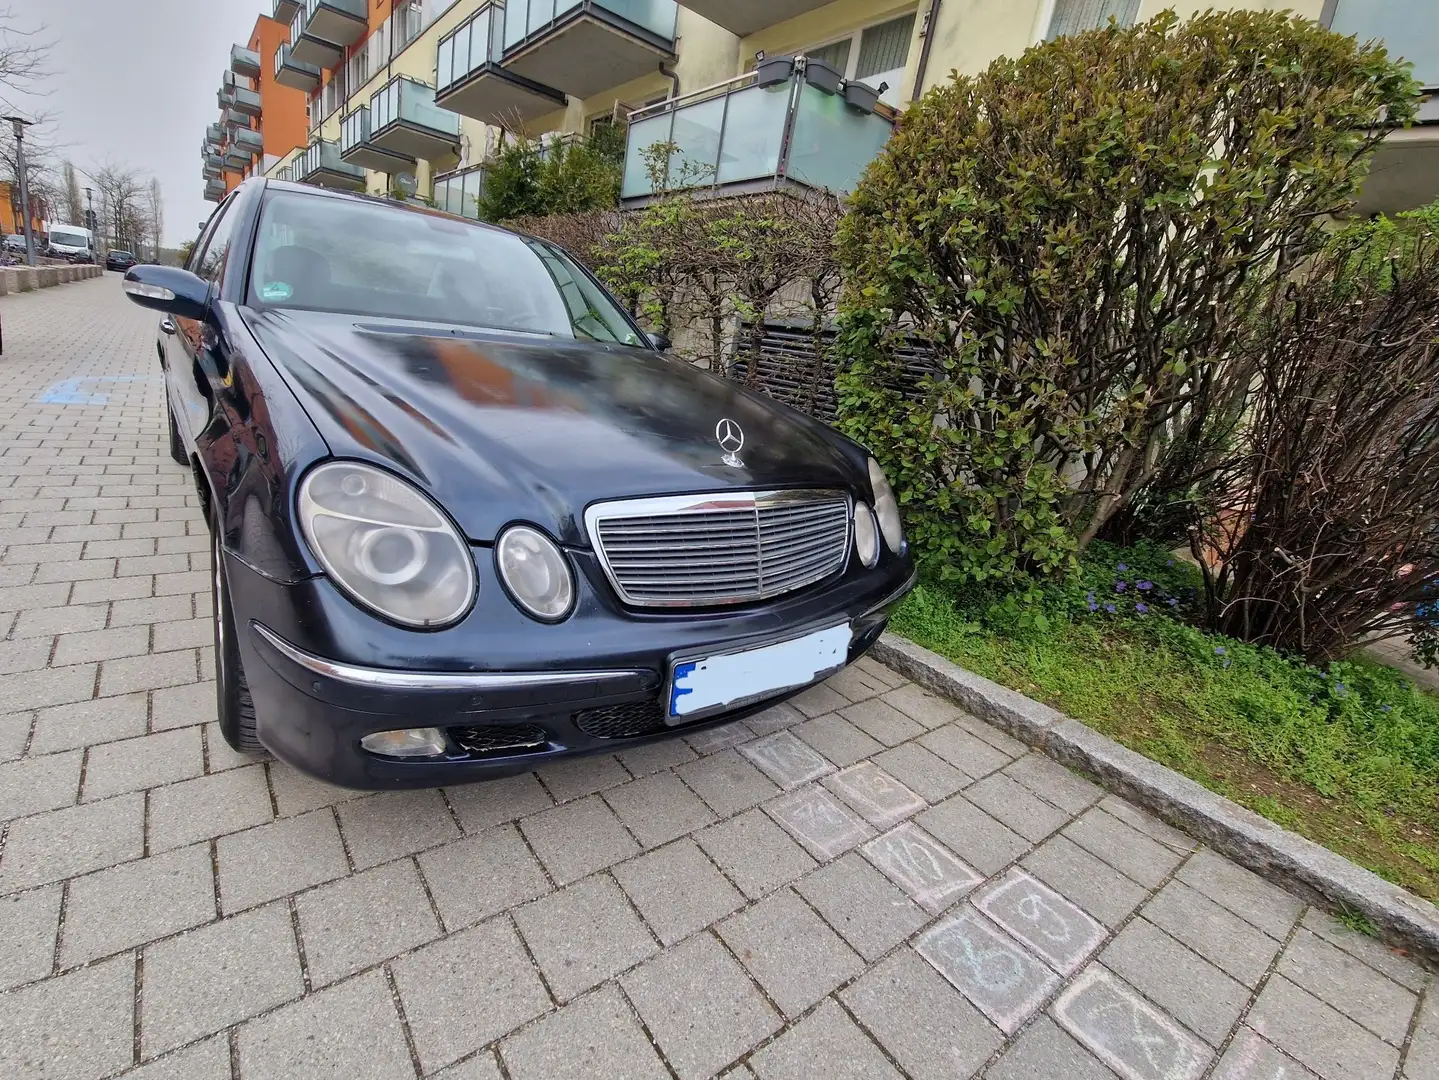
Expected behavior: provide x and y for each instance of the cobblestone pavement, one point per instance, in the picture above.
(868, 884)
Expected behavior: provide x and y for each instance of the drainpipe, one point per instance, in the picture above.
(674, 79)
(930, 17)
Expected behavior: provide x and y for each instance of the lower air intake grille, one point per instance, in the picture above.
(625, 721)
(499, 738)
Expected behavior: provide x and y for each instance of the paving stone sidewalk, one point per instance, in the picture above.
(865, 884)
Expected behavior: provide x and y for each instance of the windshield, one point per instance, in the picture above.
(325, 254)
(69, 239)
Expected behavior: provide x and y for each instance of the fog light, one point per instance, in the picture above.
(406, 743)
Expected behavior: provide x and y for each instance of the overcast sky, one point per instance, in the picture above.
(134, 81)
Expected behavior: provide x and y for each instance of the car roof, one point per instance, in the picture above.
(376, 200)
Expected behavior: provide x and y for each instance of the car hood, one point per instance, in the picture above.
(503, 427)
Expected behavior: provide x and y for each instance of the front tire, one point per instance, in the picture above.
(234, 707)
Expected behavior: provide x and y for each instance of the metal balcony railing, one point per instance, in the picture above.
(469, 79)
(322, 165)
(292, 73)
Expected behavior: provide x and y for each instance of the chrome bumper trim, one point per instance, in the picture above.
(389, 679)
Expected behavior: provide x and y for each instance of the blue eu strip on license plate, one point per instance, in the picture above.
(698, 686)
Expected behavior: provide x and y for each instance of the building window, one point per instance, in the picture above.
(1077, 16)
(874, 55)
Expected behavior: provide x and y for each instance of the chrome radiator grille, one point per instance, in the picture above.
(698, 550)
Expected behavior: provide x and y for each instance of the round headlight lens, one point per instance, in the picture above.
(535, 572)
(886, 508)
(386, 545)
(866, 536)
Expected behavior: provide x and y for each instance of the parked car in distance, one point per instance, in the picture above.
(120, 260)
(466, 517)
(15, 242)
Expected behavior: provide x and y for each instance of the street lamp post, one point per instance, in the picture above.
(20, 126)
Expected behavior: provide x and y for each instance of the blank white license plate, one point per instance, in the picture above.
(733, 679)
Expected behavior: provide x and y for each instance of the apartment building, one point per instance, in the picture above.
(261, 120)
(413, 96)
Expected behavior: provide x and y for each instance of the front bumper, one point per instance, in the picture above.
(511, 693)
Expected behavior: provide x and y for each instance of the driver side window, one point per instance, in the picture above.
(212, 262)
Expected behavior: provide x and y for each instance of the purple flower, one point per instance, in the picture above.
(1324, 674)
(1121, 568)
(1120, 586)
(1109, 608)
(1226, 663)
(1173, 601)
(1143, 609)
(1169, 563)
(1219, 650)
(1093, 606)
(1385, 708)
(1145, 586)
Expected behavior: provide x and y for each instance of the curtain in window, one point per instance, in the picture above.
(885, 47)
(1076, 16)
(836, 55)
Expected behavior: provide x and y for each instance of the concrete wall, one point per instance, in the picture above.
(14, 279)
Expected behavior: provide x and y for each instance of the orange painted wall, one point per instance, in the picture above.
(282, 121)
(10, 217)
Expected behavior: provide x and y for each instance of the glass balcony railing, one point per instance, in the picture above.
(234, 116)
(752, 133)
(358, 146)
(214, 192)
(470, 81)
(459, 192)
(285, 11)
(225, 97)
(322, 165)
(246, 101)
(526, 19)
(344, 22)
(476, 42)
(404, 119)
(1408, 30)
(244, 62)
(215, 133)
(294, 74)
(248, 139)
(583, 47)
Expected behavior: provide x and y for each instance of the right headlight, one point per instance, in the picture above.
(535, 573)
(866, 536)
(386, 545)
(886, 508)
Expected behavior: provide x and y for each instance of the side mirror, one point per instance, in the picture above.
(658, 342)
(168, 289)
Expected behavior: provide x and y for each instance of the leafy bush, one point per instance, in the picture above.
(527, 179)
(1086, 235)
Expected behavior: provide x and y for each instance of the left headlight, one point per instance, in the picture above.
(386, 545)
(535, 573)
(886, 508)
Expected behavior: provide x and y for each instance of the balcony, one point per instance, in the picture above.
(1405, 171)
(406, 121)
(234, 116)
(322, 30)
(248, 140)
(215, 133)
(225, 96)
(322, 166)
(246, 101)
(244, 62)
(358, 148)
(785, 125)
(581, 47)
(286, 10)
(214, 191)
(290, 72)
(472, 83)
(212, 168)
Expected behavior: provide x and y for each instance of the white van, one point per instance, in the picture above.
(71, 242)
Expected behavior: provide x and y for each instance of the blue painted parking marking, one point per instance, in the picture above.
(72, 391)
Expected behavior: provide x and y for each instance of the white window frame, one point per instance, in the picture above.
(852, 64)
